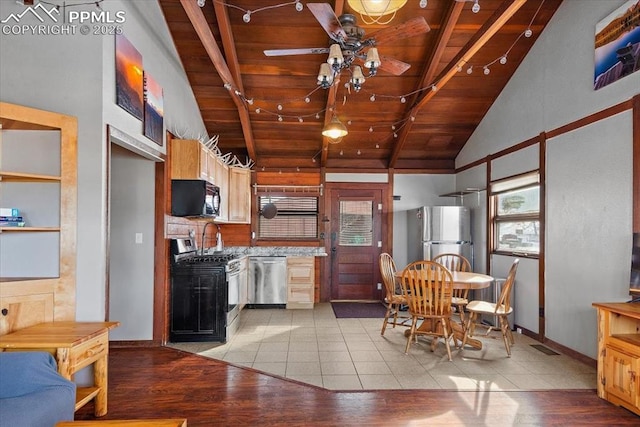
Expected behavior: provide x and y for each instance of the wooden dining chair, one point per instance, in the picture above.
(500, 309)
(427, 286)
(455, 262)
(394, 298)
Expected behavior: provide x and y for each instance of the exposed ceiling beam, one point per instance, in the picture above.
(201, 26)
(506, 10)
(449, 20)
(331, 99)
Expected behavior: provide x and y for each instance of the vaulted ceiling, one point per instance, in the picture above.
(270, 108)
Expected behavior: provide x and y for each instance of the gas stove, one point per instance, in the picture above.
(210, 258)
(184, 251)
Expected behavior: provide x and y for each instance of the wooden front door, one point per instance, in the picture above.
(355, 243)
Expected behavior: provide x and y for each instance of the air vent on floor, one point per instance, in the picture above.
(545, 350)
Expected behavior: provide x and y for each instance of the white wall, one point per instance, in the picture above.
(74, 74)
(552, 87)
(416, 191)
(131, 261)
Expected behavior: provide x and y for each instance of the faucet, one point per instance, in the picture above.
(204, 232)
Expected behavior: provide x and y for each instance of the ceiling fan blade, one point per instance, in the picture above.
(392, 65)
(410, 28)
(389, 64)
(303, 51)
(328, 20)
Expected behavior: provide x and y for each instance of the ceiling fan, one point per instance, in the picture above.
(348, 45)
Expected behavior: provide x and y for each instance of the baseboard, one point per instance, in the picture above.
(140, 343)
(560, 348)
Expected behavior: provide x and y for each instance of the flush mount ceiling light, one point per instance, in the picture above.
(335, 130)
(371, 11)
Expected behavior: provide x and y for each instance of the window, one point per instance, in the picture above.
(356, 223)
(297, 218)
(516, 215)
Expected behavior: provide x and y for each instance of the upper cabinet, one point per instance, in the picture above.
(38, 177)
(239, 195)
(192, 160)
(189, 159)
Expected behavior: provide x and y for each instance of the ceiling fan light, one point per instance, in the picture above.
(335, 130)
(335, 56)
(373, 59)
(357, 78)
(376, 7)
(325, 76)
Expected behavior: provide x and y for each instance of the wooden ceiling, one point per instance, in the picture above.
(423, 134)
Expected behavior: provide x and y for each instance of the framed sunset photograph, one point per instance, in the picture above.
(617, 44)
(153, 110)
(129, 77)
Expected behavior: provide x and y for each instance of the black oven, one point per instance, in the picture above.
(204, 298)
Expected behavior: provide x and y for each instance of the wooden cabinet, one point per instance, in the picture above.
(222, 181)
(300, 282)
(189, 160)
(239, 195)
(38, 174)
(619, 354)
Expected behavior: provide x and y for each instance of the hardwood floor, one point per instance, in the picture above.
(168, 383)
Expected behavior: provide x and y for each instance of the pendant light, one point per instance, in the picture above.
(335, 130)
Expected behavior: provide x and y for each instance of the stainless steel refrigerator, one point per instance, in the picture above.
(434, 230)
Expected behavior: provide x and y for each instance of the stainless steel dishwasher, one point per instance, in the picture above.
(267, 281)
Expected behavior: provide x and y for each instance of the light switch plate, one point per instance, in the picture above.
(139, 238)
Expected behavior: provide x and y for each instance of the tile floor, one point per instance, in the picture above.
(314, 347)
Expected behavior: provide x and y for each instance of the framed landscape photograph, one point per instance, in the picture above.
(617, 44)
(153, 110)
(129, 77)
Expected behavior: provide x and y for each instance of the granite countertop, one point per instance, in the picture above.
(272, 250)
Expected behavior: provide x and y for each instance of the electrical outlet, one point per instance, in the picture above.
(139, 238)
(379, 286)
(519, 330)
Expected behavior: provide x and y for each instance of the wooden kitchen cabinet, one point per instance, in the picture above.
(239, 195)
(300, 282)
(619, 354)
(189, 160)
(222, 181)
(38, 175)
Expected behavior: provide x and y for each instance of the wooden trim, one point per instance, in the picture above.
(489, 218)
(161, 251)
(107, 220)
(542, 171)
(592, 118)
(135, 344)
(636, 163)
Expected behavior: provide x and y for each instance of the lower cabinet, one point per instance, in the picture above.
(619, 354)
(300, 282)
(621, 373)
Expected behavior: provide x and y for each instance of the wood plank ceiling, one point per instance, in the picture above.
(273, 111)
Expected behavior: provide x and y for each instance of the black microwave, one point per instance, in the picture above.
(194, 197)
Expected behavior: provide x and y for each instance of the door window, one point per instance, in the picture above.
(356, 223)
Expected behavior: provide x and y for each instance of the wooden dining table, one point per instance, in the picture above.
(461, 280)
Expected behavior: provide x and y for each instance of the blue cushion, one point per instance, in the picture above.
(32, 393)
